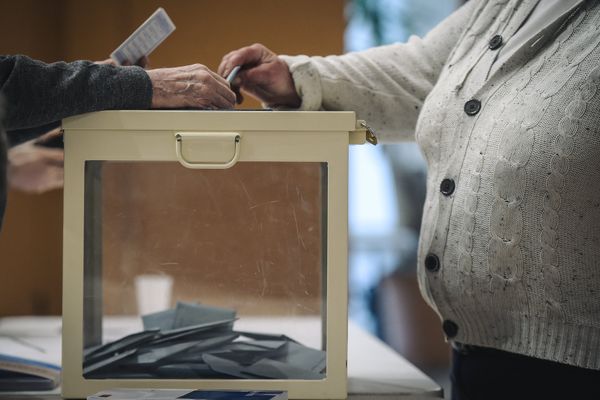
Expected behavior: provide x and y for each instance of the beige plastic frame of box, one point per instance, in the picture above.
(230, 137)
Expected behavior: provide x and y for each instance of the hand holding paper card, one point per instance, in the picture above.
(144, 39)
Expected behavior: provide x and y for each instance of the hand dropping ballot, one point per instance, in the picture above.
(172, 394)
(145, 38)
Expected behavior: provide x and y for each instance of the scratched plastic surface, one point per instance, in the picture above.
(250, 239)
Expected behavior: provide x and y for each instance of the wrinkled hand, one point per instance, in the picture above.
(108, 61)
(143, 62)
(190, 86)
(35, 169)
(263, 75)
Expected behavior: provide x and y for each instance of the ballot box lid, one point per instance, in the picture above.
(247, 120)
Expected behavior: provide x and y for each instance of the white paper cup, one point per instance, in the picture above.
(153, 293)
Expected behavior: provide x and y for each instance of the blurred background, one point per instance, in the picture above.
(386, 182)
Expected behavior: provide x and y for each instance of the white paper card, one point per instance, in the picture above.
(145, 38)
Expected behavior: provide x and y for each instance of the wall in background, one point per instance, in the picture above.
(31, 239)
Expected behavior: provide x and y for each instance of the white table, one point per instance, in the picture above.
(375, 371)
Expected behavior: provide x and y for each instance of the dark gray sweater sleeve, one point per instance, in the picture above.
(38, 94)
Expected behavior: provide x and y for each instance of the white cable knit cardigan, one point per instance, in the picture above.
(509, 252)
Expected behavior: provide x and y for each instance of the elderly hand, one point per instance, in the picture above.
(36, 169)
(263, 75)
(190, 86)
(143, 62)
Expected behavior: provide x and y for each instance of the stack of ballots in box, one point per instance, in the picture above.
(194, 341)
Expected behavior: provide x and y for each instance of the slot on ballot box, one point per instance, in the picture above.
(219, 239)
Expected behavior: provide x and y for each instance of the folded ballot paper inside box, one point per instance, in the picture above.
(172, 394)
(199, 341)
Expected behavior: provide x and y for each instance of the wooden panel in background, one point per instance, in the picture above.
(31, 240)
(31, 27)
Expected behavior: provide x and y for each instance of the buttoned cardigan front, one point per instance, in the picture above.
(509, 252)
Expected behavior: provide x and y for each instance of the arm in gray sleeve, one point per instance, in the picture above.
(38, 94)
(385, 85)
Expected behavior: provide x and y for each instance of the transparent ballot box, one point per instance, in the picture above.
(207, 250)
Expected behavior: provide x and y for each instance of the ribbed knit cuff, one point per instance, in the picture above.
(306, 80)
(135, 88)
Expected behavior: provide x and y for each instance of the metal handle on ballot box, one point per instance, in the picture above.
(235, 137)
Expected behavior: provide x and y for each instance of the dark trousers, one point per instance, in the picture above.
(486, 374)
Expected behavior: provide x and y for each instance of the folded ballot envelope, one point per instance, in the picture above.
(199, 341)
(216, 242)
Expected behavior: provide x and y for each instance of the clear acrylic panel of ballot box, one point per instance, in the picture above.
(206, 250)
